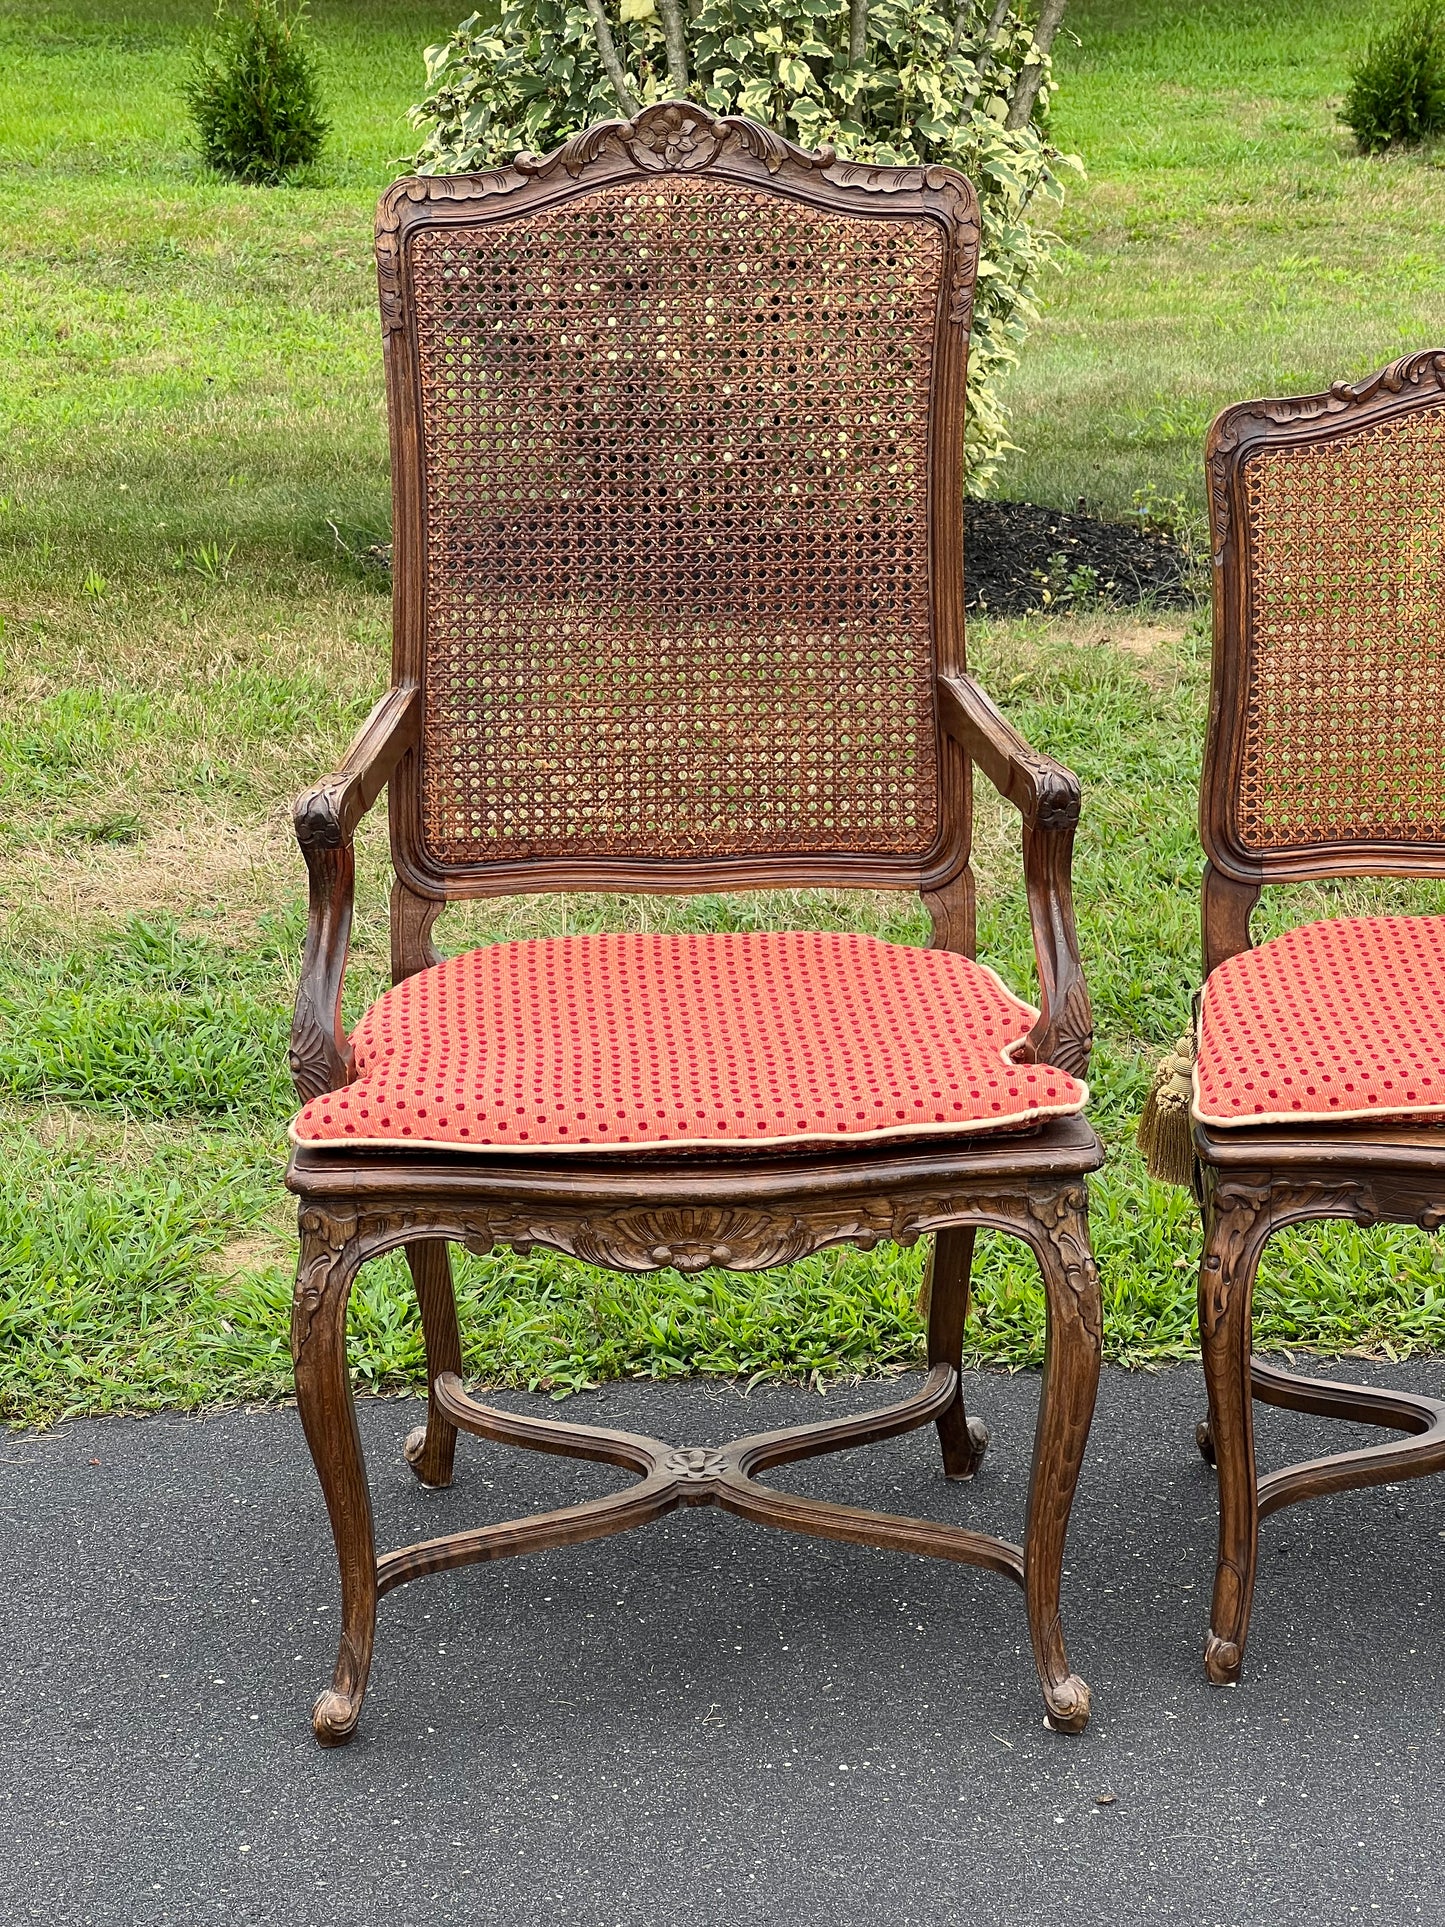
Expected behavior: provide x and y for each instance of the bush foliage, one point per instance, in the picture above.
(1397, 93)
(254, 94)
(894, 81)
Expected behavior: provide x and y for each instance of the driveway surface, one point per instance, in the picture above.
(704, 1723)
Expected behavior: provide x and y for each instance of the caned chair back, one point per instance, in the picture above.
(677, 435)
(1326, 752)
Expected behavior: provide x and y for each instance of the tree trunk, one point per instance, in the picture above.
(675, 36)
(857, 32)
(1032, 76)
(612, 66)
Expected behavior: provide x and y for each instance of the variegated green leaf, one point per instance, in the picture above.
(535, 77)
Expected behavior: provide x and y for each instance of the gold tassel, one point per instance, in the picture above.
(1165, 1133)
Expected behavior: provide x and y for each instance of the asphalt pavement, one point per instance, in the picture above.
(704, 1723)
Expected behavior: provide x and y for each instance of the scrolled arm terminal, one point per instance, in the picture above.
(1048, 798)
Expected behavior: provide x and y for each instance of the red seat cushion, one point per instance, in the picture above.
(582, 1043)
(1338, 1020)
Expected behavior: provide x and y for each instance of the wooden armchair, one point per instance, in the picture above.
(676, 423)
(1319, 1082)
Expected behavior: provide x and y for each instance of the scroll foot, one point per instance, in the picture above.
(960, 1460)
(1068, 1705)
(334, 1717)
(426, 1465)
(1222, 1661)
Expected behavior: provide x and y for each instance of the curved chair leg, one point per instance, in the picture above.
(1066, 1406)
(431, 1448)
(323, 1392)
(1235, 1231)
(964, 1440)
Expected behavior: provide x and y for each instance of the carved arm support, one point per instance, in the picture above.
(1047, 797)
(326, 817)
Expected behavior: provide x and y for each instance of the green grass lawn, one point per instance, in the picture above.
(1229, 241)
(194, 458)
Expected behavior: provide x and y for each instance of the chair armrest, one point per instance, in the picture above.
(326, 817)
(1047, 797)
(327, 814)
(1044, 793)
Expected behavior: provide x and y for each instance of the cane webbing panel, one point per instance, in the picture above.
(676, 451)
(1344, 729)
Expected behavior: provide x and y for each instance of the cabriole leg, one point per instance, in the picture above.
(430, 1448)
(329, 1260)
(1236, 1226)
(964, 1440)
(1060, 1237)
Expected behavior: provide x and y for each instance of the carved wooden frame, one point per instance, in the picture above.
(745, 1214)
(683, 139)
(644, 1210)
(1255, 1181)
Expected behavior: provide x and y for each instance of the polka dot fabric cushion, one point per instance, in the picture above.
(595, 1042)
(1339, 1020)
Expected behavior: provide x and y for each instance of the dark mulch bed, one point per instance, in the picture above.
(1019, 557)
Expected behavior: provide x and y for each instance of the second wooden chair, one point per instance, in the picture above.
(1319, 1085)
